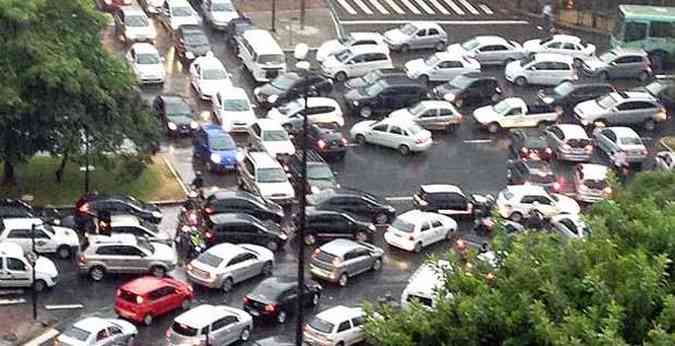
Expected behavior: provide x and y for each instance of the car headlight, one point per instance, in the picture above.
(172, 126)
(355, 103)
(215, 158)
(189, 55)
(547, 99)
(315, 189)
(194, 125)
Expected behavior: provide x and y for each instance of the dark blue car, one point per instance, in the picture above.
(215, 148)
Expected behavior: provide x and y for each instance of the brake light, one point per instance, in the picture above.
(419, 141)
(81, 259)
(209, 210)
(270, 307)
(119, 292)
(139, 300)
(589, 148)
(556, 186)
(644, 152)
(344, 141)
(321, 144)
(524, 150)
(246, 300)
(209, 235)
(316, 252)
(548, 150)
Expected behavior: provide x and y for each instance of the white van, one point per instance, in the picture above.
(16, 269)
(423, 283)
(261, 55)
(542, 69)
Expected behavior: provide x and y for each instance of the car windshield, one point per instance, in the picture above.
(147, 59)
(409, 29)
(184, 329)
(275, 136)
(271, 175)
(236, 105)
(268, 289)
(291, 107)
(271, 59)
(285, 81)
(607, 101)
(631, 141)
(223, 6)
(77, 334)
(403, 225)
(209, 259)
(461, 82)
(655, 88)
(343, 55)
(195, 38)
(214, 74)
(319, 198)
(321, 325)
(144, 243)
(372, 76)
(181, 12)
(414, 129)
(502, 107)
(133, 201)
(417, 109)
(607, 56)
(178, 108)
(319, 172)
(528, 60)
(563, 88)
(432, 60)
(374, 89)
(470, 44)
(137, 21)
(221, 143)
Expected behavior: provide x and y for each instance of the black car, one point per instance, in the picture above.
(89, 206)
(328, 142)
(191, 42)
(243, 228)
(533, 172)
(14, 208)
(175, 113)
(243, 202)
(357, 203)
(384, 96)
(319, 174)
(448, 200)
(373, 76)
(663, 90)
(289, 86)
(569, 94)
(234, 29)
(469, 89)
(529, 144)
(329, 224)
(276, 297)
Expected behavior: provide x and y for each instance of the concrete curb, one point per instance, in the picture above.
(562, 24)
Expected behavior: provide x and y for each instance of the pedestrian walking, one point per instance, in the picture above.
(547, 12)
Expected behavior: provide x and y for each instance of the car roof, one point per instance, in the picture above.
(132, 10)
(437, 104)
(313, 211)
(124, 220)
(11, 249)
(425, 24)
(227, 194)
(573, 130)
(232, 92)
(226, 251)
(209, 61)
(553, 57)
(594, 171)
(449, 56)
(115, 238)
(143, 285)
(263, 159)
(178, 2)
(269, 124)
(20, 222)
(526, 189)
(629, 51)
(191, 28)
(402, 122)
(426, 278)
(173, 98)
(366, 36)
(414, 215)
(338, 314)
(214, 130)
(144, 47)
(339, 247)
(491, 39)
(475, 75)
(441, 188)
(202, 315)
(623, 131)
(368, 49)
(91, 324)
(262, 41)
(566, 38)
(623, 95)
(221, 218)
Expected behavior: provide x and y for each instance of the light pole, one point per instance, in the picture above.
(35, 295)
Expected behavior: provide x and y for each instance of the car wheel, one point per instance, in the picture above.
(405, 48)
(281, 317)
(404, 149)
(450, 234)
(97, 273)
(158, 272)
(147, 319)
(650, 125)
(521, 81)
(227, 285)
(341, 77)
(493, 127)
(310, 239)
(643, 76)
(39, 285)
(245, 334)
(267, 269)
(185, 305)
(361, 236)
(63, 252)
(418, 248)
(440, 46)
(604, 75)
(377, 265)
(381, 219)
(341, 343)
(459, 103)
(272, 245)
(423, 79)
(516, 217)
(366, 112)
(343, 280)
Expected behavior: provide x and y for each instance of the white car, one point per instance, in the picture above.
(355, 62)
(489, 50)
(208, 75)
(96, 331)
(146, 63)
(352, 39)
(337, 326)
(513, 112)
(16, 268)
(48, 239)
(424, 283)
(269, 135)
(541, 68)
(401, 134)
(231, 106)
(441, 66)
(415, 229)
(570, 226)
(226, 264)
(321, 110)
(562, 44)
(517, 201)
(210, 325)
(134, 25)
(665, 160)
(218, 13)
(175, 13)
(612, 140)
(590, 182)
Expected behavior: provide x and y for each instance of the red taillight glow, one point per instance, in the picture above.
(316, 252)
(524, 150)
(589, 148)
(548, 151)
(270, 307)
(644, 152)
(81, 259)
(119, 292)
(246, 300)
(209, 210)
(419, 140)
(321, 144)
(209, 235)
(344, 141)
(556, 186)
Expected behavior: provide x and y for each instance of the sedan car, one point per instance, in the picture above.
(224, 201)
(612, 140)
(532, 172)
(352, 39)
(357, 203)
(569, 142)
(418, 35)
(448, 200)
(96, 331)
(568, 94)
(516, 202)
(90, 205)
(144, 299)
(270, 136)
(208, 75)
(469, 89)
(590, 182)
(215, 148)
(243, 228)
(232, 108)
(175, 13)
(622, 108)
(337, 326)
(665, 160)
(210, 325)
(319, 110)
(403, 135)
(529, 145)
(319, 174)
(275, 298)
(489, 50)
(328, 141)
(175, 113)
(329, 224)
(375, 75)
(218, 13)
(190, 42)
(662, 90)
(133, 25)
(290, 85)
(619, 63)
(224, 265)
(562, 44)
(416, 229)
(341, 259)
(146, 63)
(570, 226)
(431, 115)
(441, 66)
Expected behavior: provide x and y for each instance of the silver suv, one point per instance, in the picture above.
(259, 173)
(621, 108)
(340, 259)
(125, 253)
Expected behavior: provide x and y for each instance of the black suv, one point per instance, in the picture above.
(234, 29)
(328, 142)
(175, 113)
(567, 94)
(291, 85)
(243, 202)
(191, 42)
(329, 224)
(529, 144)
(88, 206)
(373, 76)
(663, 90)
(534, 172)
(354, 202)
(469, 89)
(384, 96)
(319, 174)
(275, 298)
(243, 228)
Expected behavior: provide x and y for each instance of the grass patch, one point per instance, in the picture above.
(38, 178)
(669, 141)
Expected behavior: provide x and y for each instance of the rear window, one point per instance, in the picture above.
(595, 184)
(184, 329)
(128, 296)
(578, 143)
(77, 334)
(210, 259)
(325, 257)
(403, 226)
(321, 325)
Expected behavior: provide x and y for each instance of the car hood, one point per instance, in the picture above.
(588, 108)
(198, 49)
(327, 48)
(164, 253)
(45, 266)
(269, 189)
(594, 63)
(227, 156)
(66, 235)
(567, 205)
(457, 49)
(417, 66)
(532, 45)
(361, 127)
(180, 119)
(395, 36)
(279, 147)
(210, 87)
(402, 113)
(140, 32)
(243, 118)
(485, 114)
(223, 17)
(183, 20)
(150, 69)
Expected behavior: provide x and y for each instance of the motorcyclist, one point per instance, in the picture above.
(535, 220)
(620, 161)
(197, 244)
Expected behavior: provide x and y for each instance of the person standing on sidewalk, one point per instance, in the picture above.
(547, 12)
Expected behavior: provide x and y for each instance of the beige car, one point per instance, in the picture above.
(431, 115)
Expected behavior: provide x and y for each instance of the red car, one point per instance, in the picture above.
(145, 298)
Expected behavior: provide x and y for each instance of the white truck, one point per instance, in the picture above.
(513, 112)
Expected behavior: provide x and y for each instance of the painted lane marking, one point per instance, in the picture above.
(363, 7)
(347, 6)
(379, 6)
(439, 6)
(485, 9)
(442, 22)
(454, 7)
(394, 6)
(469, 7)
(411, 7)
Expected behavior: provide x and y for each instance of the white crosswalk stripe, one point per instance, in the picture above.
(347, 6)
(395, 6)
(363, 6)
(485, 9)
(379, 6)
(469, 7)
(411, 7)
(416, 7)
(454, 7)
(439, 6)
(425, 7)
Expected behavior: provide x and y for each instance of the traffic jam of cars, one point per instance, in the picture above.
(354, 95)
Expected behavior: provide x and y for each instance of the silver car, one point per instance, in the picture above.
(489, 50)
(226, 264)
(431, 115)
(340, 259)
(621, 108)
(210, 325)
(570, 226)
(417, 35)
(619, 63)
(612, 140)
(569, 142)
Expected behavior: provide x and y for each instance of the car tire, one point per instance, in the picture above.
(341, 76)
(158, 271)
(97, 273)
(272, 245)
(341, 343)
(147, 320)
(361, 236)
(227, 285)
(360, 139)
(267, 268)
(405, 48)
(440, 46)
(309, 240)
(423, 79)
(245, 334)
(39, 285)
(650, 125)
(643, 76)
(418, 248)
(185, 305)
(516, 217)
(521, 81)
(64, 252)
(404, 149)
(366, 112)
(493, 127)
(281, 316)
(381, 219)
(377, 265)
(604, 75)
(343, 280)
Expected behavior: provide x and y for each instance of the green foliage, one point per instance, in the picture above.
(615, 288)
(130, 168)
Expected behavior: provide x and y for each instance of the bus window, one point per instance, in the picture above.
(662, 29)
(635, 31)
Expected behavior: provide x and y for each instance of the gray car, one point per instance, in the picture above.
(340, 259)
(613, 140)
(621, 108)
(619, 63)
(569, 142)
(210, 325)
(417, 35)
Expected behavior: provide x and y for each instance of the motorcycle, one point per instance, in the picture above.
(190, 242)
(191, 212)
(482, 214)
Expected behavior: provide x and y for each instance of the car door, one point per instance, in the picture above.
(15, 272)
(420, 40)
(607, 141)
(427, 236)
(554, 137)
(357, 66)
(433, 37)
(222, 332)
(440, 230)
(571, 49)
(536, 73)
(116, 336)
(103, 337)
(429, 119)
(337, 226)
(493, 54)
(159, 300)
(344, 332)
(629, 112)
(395, 137)
(448, 70)
(378, 134)
(554, 47)
(457, 204)
(363, 259)
(356, 333)
(249, 264)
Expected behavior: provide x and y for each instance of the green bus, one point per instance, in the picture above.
(651, 28)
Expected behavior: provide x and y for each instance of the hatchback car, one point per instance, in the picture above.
(176, 114)
(350, 40)
(224, 265)
(622, 108)
(319, 110)
(385, 95)
(190, 42)
(319, 175)
(130, 224)
(276, 297)
(146, 63)
(489, 50)
(619, 63)
(224, 201)
(447, 200)
(529, 145)
(664, 160)
(541, 68)
(403, 135)
(518, 201)
(144, 299)
(662, 90)
(562, 44)
(612, 140)
(469, 89)
(431, 115)
(175, 13)
(337, 326)
(418, 35)
(24, 269)
(355, 62)
(416, 229)
(269, 135)
(232, 108)
(133, 25)
(215, 148)
(261, 174)
(218, 13)
(62, 241)
(441, 66)
(569, 142)
(357, 203)
(243, 228)
(329, 224)
(341, 259)
(532, 172)
(375, 75)
(570, 226)
(290, 85)
(208, 75)
(88, 206)
(328, 141)
(96, 331)
(210, 325)
(568, 94)
(590, 182)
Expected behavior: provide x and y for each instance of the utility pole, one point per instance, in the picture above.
(35, 295)
(86, 159)
(274, 16)
(302, 15)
